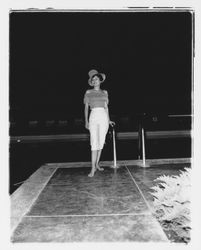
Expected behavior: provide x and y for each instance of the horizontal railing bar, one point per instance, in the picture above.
(187, 115)
(84, 137)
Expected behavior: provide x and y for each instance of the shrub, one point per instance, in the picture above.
(172, 203)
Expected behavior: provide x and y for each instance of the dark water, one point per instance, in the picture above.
(26, 158)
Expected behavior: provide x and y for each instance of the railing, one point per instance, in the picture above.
(142, 137)
(85, 137)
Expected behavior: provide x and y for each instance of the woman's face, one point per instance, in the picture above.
(95, 81)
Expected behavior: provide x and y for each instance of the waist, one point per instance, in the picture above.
(98, 108)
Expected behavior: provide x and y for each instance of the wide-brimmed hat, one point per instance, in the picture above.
(95, 72)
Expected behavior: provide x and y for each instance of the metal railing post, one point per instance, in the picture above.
(114, 149)
(141, 142)
(143, 149)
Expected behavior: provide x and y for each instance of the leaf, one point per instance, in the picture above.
(171, 202)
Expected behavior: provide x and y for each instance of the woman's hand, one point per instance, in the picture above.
(111, 123)
(87, 125)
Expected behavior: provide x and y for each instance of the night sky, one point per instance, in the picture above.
(146, 58)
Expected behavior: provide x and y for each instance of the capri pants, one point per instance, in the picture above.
(98, 127)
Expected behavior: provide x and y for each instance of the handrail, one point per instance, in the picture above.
(143, 149)
(186, 115)
(119, 136)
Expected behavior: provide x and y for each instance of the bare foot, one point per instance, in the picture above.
(91, 174)
(99, 168)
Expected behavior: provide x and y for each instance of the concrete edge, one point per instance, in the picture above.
(24, 197)
(122, 162)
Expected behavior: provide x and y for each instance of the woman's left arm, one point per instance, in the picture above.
(107, 110)
(109, 121)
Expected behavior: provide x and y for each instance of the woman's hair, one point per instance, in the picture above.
(99, 76)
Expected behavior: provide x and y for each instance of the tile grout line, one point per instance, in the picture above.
(36, 198)
(33, 203)
(145, 201)
(82, 215)
(139, 189)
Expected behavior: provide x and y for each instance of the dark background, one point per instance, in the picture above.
(146, 57)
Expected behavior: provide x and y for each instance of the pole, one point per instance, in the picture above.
(140, 141)
(143, 149)
(114, 148)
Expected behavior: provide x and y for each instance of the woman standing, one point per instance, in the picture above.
(99, 120)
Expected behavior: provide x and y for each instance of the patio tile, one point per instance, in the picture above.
(106, 193)
(138, 228)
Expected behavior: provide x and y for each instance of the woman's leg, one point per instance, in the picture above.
(103, 128)
(93, 142)
(97, 161)
(93, 162)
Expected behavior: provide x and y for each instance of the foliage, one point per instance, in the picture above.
(172, 203)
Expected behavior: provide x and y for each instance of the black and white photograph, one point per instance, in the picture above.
(101, 120)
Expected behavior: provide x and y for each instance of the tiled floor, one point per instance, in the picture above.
(114, 205)
(145, 177)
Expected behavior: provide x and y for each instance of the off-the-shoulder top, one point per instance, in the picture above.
(96, 98)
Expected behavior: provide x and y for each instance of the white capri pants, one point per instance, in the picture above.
(98, 127)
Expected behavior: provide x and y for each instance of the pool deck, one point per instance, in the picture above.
(60, 203)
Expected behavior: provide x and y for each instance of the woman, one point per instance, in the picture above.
(99, 120)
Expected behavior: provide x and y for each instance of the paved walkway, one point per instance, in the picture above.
(60, 203)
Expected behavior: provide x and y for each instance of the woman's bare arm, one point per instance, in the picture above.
(86, 112)
(107, 111)
(108, 115)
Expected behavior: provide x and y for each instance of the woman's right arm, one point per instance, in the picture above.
(86, 111)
